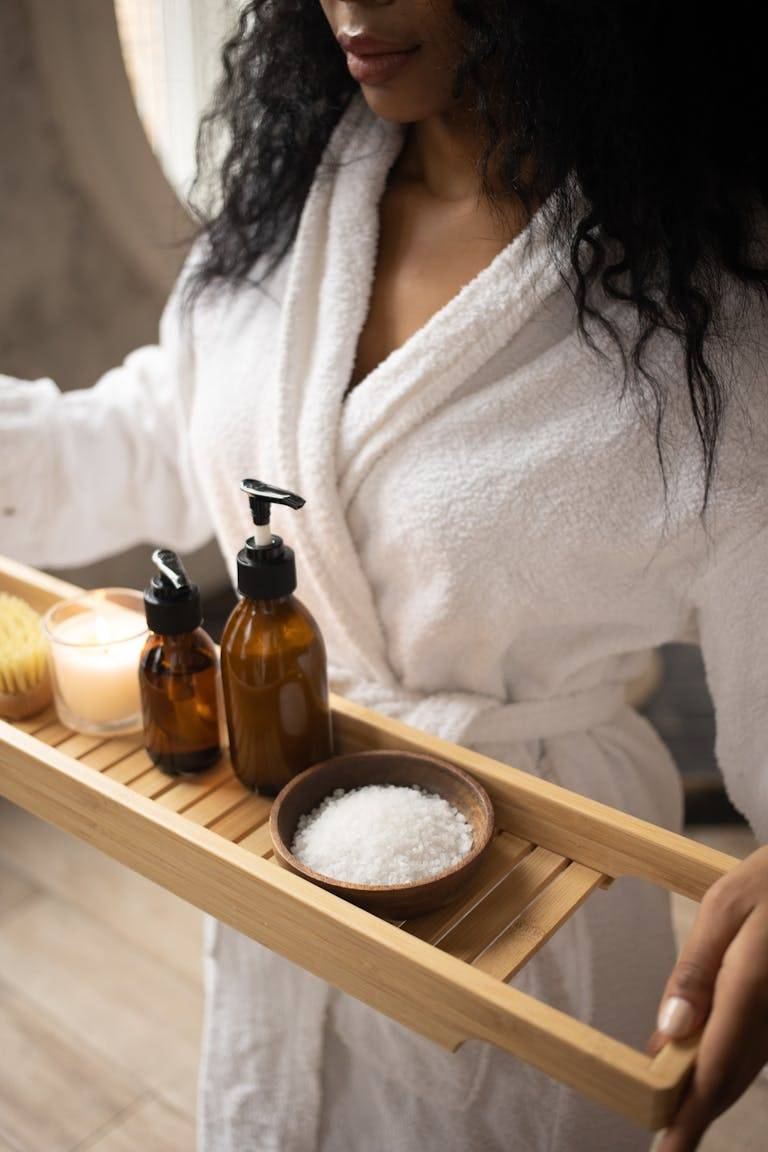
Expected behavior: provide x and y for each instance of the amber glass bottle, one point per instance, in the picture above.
(178, 674)
(274, 675)
(273, 661)
(179, 702)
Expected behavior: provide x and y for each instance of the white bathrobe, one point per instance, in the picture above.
(484, 548)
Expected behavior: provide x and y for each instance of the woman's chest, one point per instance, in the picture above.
(426, 254)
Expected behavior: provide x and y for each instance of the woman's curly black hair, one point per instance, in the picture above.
(658, 108)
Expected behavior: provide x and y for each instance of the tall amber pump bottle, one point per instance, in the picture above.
(273, 661)
(178, 673)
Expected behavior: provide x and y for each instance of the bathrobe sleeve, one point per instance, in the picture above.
(731, 603)
(87, 473)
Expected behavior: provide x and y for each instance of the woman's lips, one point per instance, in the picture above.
(374, 62)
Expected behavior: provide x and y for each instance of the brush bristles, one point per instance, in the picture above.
(22, 647)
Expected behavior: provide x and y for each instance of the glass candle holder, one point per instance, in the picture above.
(94, 644)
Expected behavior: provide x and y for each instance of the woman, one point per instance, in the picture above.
(480, 281)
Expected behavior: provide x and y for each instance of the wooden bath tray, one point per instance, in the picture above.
(207, 840)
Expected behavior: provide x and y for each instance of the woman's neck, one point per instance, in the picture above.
(443, 154)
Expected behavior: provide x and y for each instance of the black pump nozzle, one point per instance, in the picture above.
(261, 495)
(172, 574)
(171, 601)
(266, 568)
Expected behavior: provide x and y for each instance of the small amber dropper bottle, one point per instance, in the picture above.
(178, 674)
(273, 661)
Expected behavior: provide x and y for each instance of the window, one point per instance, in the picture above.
(172, 50)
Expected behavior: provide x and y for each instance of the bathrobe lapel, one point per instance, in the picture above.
(323, 447)
(421, 375)
(324, 305)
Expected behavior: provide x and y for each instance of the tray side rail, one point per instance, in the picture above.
(577, 827)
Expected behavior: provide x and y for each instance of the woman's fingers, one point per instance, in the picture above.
(734, 1044)
(656, 1043)
(688, 994)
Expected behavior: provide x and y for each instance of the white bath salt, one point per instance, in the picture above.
(382, 834)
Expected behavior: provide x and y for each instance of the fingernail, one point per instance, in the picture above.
(676, 1016)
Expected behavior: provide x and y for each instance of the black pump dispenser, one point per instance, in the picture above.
(266, 567)
(171, 601)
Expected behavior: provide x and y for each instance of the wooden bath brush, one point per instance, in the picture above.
(25, 686)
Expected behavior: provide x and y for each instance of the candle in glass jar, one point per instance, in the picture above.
(95, 645)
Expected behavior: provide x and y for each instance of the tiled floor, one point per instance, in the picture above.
(102, 1017)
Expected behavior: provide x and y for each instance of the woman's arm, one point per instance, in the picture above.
(720, 981)
(87, 473)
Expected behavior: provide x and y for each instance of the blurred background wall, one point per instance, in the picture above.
(92, 227)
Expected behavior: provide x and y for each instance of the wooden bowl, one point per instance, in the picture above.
(394, 901)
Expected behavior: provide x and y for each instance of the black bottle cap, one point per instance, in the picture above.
(266, 567)
(171, 602)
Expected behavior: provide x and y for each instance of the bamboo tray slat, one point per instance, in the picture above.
(503, 854)
(444, 974)
(515, 945)
(503, 905)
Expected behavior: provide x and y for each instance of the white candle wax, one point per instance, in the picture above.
(95, 658)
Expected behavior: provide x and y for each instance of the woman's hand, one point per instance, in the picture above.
(720, 981)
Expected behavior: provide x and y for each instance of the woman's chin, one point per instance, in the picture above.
(394, 102)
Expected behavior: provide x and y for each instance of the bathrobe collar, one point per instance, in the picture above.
(325, 446)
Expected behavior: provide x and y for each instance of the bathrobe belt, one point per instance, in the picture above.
(474, 718)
